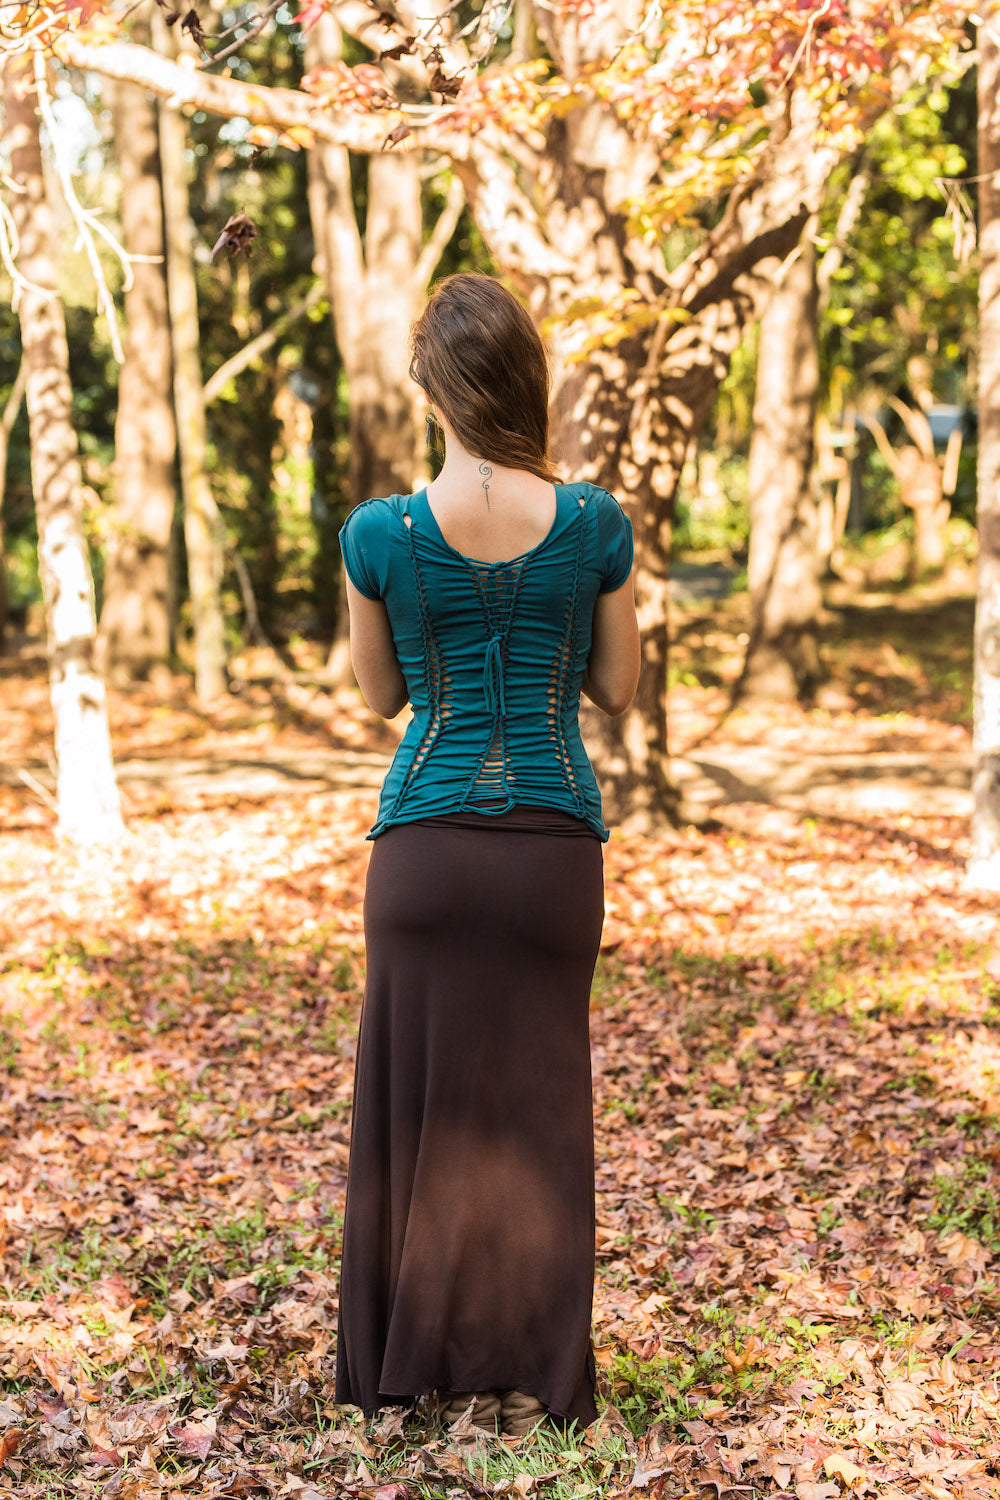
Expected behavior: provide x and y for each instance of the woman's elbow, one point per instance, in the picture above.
(386, 705)
(618, 702)
(612, 698)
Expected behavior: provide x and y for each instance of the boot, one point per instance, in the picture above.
(452, 1406)
(520, 1414)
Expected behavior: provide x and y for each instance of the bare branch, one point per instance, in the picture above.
(238, 362)
(420, 32)
(850, 211)
(916, 424)
(9, 249)
(441, 233)
(85, 220)
(886, 449)
(952, 454)
(184, 86)
(10, 410)
(254, 29)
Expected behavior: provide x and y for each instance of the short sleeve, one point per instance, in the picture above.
(614, 530)
(364, 546)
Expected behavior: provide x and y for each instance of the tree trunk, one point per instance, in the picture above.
(9, 416)
(624, 415)
(89, 808)
(782, 659)
(984, 866)
(202, 523)
(921, 484)
(374, 296)
(597, 435)
(135, 622)
(387, 408)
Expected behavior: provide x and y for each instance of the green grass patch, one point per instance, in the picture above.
(968, 1202)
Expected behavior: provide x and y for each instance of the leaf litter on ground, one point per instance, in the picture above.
(796, 1029)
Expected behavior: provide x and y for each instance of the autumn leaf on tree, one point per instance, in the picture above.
(238, 234)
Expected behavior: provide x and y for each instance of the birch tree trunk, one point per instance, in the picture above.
(7, 419)
(135, 617)
(89, 808)
(202, 523)
(782, 658)
(984, 865)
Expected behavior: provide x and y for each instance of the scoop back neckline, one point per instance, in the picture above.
(504, 562)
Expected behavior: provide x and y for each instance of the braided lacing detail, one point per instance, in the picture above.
(499, 586)
(438, 680)
(493, 783)
(560, 674)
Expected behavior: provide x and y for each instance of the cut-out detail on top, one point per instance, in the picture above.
(559, 679)
(438, 679)
(499, 588)
(493, 654)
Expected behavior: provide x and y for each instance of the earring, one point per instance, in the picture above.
(431, 430)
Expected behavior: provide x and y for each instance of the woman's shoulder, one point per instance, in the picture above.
(594, 497)
(584, 489)
(367, 541)
(610, 544)
(376, 513)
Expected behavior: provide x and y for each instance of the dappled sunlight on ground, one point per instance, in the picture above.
(796, 1036)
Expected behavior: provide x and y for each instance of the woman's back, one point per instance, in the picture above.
(493, 652)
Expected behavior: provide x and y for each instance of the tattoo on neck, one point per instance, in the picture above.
(487, 474)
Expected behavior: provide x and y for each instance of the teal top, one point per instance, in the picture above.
(493, 655)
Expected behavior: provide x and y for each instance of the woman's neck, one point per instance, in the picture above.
(465, 472)
(487, 510)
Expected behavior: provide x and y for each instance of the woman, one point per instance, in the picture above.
(487, 601)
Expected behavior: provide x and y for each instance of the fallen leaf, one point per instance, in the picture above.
(903, 1397)
(10, 1442)
(839, 1466)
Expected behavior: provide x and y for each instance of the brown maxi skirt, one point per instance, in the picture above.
(468, 1260)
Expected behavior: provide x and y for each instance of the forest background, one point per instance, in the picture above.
(749, 233)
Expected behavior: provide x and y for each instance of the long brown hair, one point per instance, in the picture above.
(478, 356)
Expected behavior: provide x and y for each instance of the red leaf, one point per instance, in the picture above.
(10, 1442)
(312, 12)
(106, 1456)
(194, 1440)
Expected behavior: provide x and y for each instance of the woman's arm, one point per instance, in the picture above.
(373, 655)
(613, 664)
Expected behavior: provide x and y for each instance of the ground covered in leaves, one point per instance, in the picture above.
(796, 1030)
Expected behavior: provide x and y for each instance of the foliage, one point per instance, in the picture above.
(902, 310)
(700, 81)
(719, 520)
